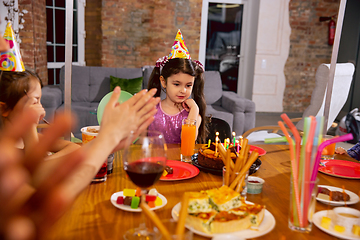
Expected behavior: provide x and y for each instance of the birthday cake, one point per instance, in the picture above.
(209, 158)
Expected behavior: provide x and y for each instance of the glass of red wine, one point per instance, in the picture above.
(144, 161)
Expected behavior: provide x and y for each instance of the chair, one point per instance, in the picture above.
(341, 86)
(218, 125)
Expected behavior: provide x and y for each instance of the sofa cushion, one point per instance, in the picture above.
(99, 82)
(212, 87)
(80, 87)
(130, 85)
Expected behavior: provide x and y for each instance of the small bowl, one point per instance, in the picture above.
(346, 217)
(255, 185)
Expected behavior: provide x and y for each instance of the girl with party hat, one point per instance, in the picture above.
(180, 78)
(20, 89)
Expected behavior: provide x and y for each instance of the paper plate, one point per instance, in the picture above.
(261, 151)
(128, 208)
(317, 221)
(353, 197)
(123, 97)
(340, 168)
(265, 227)
(181, 171)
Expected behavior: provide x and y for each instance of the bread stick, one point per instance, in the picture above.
(223, 155)
(243, 146)
(156, 220)
(246, 156)
(239, 187)
(237, 167)
(253, 156)
(180, 227)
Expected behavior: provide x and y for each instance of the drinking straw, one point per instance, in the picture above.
(156, 220)
(317, 137)
(275, 140)
(180, 227)
(308, 151)
(294, 169)
(296, 135)
(302, 169)
(321, 147)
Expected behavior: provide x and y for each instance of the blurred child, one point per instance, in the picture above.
(20, 91)
(180, 78)
(353, 152)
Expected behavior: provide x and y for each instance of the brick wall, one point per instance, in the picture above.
(134, 33)
(93, 33)
(138, 32)
(33, 37)
(308, 49)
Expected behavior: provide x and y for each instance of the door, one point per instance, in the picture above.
(349, 51)
(221, 45)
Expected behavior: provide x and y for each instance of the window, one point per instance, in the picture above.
(56, 20)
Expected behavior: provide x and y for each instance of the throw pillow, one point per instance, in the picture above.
(130, 85)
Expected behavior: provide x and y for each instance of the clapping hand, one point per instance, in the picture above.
(25, 212)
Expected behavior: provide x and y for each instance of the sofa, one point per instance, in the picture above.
(90, 84)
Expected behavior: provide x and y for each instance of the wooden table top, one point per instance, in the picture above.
(92, 216)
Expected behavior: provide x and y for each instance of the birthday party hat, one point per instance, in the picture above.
(11, 60)
(179, 49)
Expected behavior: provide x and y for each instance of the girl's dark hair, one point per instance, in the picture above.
(186, 66)
(15, 85)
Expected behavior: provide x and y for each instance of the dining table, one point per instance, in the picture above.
(93, 216)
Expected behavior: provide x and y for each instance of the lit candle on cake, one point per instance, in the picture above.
(216, 143)
(233, 133)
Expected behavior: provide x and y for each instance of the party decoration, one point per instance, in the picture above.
(179, 49)
(11, 59)
(100, 111)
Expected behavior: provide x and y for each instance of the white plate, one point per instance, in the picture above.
(353, 197)
(317, 221)
(128, 208)
(266, 226)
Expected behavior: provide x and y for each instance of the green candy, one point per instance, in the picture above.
(135, 202)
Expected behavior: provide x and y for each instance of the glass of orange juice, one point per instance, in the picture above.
(329, 151)
(188, 133)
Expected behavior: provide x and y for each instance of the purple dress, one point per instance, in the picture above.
(168, 125)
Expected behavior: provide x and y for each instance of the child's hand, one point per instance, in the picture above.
(340, 150)
(39, 110)
(190, 104)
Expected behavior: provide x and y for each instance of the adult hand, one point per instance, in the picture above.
(29, 214)
(134, 115)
